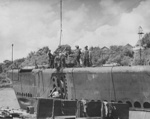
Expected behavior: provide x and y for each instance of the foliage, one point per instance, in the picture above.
(115, 54)
(146, 40)
(126, 61)
(63, 48)
(1, 67)
(122, 55)
(142, 57)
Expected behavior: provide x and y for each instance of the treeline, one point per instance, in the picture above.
(120, 55)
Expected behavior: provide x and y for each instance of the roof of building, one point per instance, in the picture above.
(105, 48)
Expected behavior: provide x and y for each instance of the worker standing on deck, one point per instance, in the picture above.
(63, 60)
(77, 56)
(57, 61)
(86, 56)
(90, 56)
(51, 59)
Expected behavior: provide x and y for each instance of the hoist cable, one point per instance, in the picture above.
(60, 22)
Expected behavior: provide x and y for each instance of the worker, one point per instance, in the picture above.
(84, 107)
(36, 65)
(57, 61)
(86, 56)
(90, 56)
(77, 56)
(63, 60)
(56, 94)
(51, 59)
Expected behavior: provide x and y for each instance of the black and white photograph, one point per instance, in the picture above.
(75, 59)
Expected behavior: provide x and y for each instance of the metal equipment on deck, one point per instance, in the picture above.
(73, 109)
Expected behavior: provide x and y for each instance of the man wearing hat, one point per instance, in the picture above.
(86, 56)
(77, 55)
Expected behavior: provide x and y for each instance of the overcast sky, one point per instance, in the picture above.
(32, 24)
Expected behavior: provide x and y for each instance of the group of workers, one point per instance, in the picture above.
(80, 58)
(56, 60)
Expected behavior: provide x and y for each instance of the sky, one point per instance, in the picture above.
(33, 24)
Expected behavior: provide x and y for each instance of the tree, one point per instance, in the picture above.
(63, 48)
(146, 40)
(1, 67)
(128, 52)
(126, 61)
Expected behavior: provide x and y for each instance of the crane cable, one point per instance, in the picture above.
(60, 22)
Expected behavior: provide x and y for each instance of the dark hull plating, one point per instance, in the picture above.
(122, 84)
